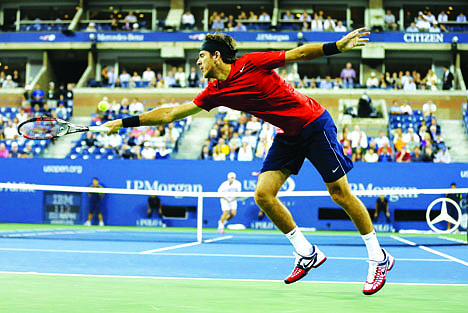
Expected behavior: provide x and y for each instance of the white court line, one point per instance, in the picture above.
(171, 247)
(260, 256)
(217, 279)
(430, 250)
(218, 239)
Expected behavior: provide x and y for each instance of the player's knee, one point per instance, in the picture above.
(263, 198)
(338, 196)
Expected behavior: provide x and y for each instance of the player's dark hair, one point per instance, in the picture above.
(226, 45)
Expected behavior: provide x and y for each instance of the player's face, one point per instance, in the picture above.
(206, 62)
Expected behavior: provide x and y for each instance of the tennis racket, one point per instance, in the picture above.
(44, 127)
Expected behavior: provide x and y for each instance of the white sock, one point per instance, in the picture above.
(300, 243)
(220, 225)
(373, 246)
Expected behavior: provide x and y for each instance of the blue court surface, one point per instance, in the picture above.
(232, 256)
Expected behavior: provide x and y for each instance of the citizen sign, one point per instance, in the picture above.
(423, 37)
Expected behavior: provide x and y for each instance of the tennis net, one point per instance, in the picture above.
(193, 217)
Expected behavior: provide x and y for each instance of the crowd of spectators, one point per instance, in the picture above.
(413, 136)
(10, 78)
(174, 78)
(144, 142)
(237, 136)
(34, 104)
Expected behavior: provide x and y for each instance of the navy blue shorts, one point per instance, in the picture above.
(317, 142)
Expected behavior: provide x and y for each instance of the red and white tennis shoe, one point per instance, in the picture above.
(377, 274)
(305, 263)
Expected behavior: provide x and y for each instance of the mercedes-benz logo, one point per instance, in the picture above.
(443, 216)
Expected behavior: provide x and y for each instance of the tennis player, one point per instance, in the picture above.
(228, 203)
(304, 130)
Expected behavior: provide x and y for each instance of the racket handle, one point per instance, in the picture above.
(98, 129)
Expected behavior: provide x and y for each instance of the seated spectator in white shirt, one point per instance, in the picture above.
(405, 108)
(305, 17)
(10, 131)
(389, 20)
(288, 16)
(217, 25)
(147, 152)
(180, 77)
(148, 75)
(317, 24)
(8, 82)
(293, 77)
(421, 23)
(434, 28)
(442, 17)
(381, 140)
(429, 108)
(188, 21)
(124, 78)
(358, 138)
(136, 107)
(240, 27)
(442, 156)
(340, 27)
(326, 83)
(245, 152)
(329, 24)
(409, 85)
(412, 28)
(372, 81)
(371, 156)
(264, 17)
(430, 17)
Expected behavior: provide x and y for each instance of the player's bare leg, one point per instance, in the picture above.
(308, 256)
(380, 261)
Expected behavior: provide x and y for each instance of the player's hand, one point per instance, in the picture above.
(353, 39)
(113, 126)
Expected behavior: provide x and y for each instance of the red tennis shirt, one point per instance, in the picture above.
(254, 87)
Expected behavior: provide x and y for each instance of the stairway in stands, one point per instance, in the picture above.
(455, 137)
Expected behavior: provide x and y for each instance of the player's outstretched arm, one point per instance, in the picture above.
(313, 51)
(161, 116)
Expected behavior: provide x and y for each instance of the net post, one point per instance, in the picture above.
(200, 218)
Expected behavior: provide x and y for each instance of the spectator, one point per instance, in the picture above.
(193, 78)
(358, 138)
(52, 93)
(124, 79)
(14, 153)
(403, 156)
(288, 16)
(188, 21)
(110, 77)
(434, 28)
(406, 109)
(22, 115)
(4, 153)
(329, 24)
(357, 155)
(434, 124)
(372, 81)
(206, 153)
(221, 150)
(305, 17)
(10, 131)
(385, 153)
(264, 17)
(390, 22)
(381, 140)
(240, 27)
(429, 108)
(180, 77)
(253, 16)
(91, 27)
(383, 82)
(245, 152)
(461, 18)
(242, 16)
(447, 79)
(148, 153)
(416, 155)
(348, 74)
(412, 28)
(149, 76)
(8, 82)
(293, 78)
(422, 23)
(431, 79)
(130, 20)
(365, 108)
(217, 25)
(442, 17)
(154, 206)
(27, 151)
(38, 96)
(317, 24)
(340, 27)
(411, 139)
(408, 19)
(371, 156)
(17, 79)
(427, 155)
(326, 83)
(442, 156)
